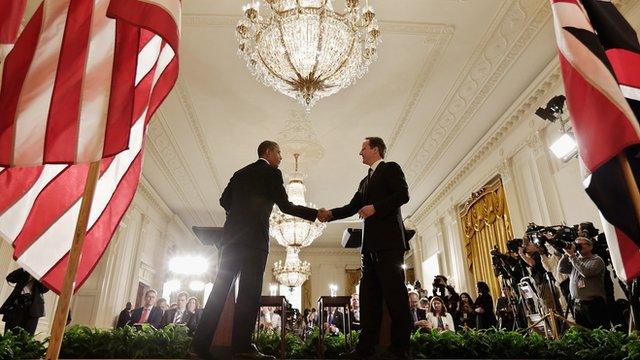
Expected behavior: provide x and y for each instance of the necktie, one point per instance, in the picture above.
(178, 319)
(415, 315)
(366, 185)
(144, 316)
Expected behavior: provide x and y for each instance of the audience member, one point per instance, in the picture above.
(178, 315)
(25, 304)
(162, 304)
(148, 313)
(586, 283)
(354, 312)
(465, 315)
(504, 310)
(438, 318)
(418, 316)
(424, 304)
(334, 320)
(485, 317)
(194, 314)
(125, 315)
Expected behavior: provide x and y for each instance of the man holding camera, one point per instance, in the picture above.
(586, 282)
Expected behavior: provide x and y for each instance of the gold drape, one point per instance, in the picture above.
(306, 295)
(353, 277)
(486, 223)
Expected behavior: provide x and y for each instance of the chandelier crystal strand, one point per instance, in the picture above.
(292, 272)
(306, 50)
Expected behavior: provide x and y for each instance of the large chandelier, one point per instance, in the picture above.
(306, 50)
(292, 272)
(292, 231)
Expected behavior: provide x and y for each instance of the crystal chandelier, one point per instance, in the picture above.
(293, 272)
(290, 230)
(305, 49)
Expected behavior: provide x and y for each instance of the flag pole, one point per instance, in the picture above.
(62, 309)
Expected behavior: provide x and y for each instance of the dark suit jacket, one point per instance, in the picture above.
(248, 200)
(21, 278)
(387, 190)
(167, 317)
(154, 319)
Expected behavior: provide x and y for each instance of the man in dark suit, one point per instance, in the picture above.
(23, 308)
(148, 313)
(248, 200)
(178, 315)
(418, 316)
(378, 200)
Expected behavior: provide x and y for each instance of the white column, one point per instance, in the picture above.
(514, 205)
(455, 250)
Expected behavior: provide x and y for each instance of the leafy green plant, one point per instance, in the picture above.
(83, 342)
(19, 344)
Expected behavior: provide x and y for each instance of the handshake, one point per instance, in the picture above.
(325, 215)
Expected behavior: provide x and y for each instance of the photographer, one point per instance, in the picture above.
(586, 283)
(530, 253)
(25, 304)
(446, 292)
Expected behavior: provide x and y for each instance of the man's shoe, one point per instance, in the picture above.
(254, 354)
(355, 354)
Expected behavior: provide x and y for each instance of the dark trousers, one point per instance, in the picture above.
(249, 264)
(383, 280)
(591, 313)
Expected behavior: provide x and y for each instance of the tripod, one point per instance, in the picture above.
(512, 303)
(551, 316)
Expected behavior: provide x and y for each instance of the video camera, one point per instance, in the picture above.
(562, 237)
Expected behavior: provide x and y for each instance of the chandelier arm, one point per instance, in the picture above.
(286, 51)
(346, 58)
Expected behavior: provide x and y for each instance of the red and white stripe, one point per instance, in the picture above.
(625, 254)
(61, 104)
(586, 77)
(39, 212)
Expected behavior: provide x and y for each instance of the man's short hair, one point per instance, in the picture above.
(150, 291)
(266, 145)
(377, 142)
(414, 293)
(183, 293)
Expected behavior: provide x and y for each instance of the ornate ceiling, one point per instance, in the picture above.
(447, 71)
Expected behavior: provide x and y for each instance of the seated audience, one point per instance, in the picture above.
(418, 316)
(125, 315)
(424, 304)
(270, 319)
(162, 304)
(194, 314)
(334, 320)
(147, 313)
(438, 318)
(485, 317)
(354, 312)
(178, 315)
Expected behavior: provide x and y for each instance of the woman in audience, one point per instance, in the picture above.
(424, 304)
(438, 318)
(485, 316)
(465, 316)
(195, 313)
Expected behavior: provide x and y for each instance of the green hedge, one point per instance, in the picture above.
(173, 342)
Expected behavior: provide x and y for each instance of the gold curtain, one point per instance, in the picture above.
(306, 294)
(486, 223)
(353, 277)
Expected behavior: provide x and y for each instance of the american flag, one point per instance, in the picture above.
(78, 95)
(600, 60)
